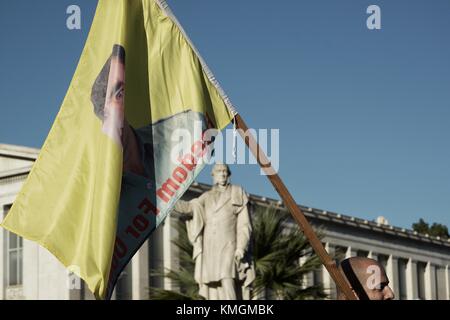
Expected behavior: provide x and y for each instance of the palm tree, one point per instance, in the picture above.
(278, 246)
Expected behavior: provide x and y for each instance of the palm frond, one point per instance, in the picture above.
(278, 247)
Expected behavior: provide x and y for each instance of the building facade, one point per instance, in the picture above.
(418, 266)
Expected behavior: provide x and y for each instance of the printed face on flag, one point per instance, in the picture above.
(108, 98)
(114, 101)
(108, 94)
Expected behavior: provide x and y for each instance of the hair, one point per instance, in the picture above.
(221, 164)
(98, 93)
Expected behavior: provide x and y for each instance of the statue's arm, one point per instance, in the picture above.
(183, 209)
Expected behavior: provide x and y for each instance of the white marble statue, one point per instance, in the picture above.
(219, 228)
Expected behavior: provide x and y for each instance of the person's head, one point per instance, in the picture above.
(367, 278)
(220, 173)
(108, 92)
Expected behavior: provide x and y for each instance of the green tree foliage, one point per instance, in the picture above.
(278, 247)
(421, 226)
(436, 229)
(439, 230)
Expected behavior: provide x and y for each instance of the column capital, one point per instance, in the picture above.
(351, 252)
(372, 255)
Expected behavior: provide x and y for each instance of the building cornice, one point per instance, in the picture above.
(18, 152)
(328, 216)
(8, 174)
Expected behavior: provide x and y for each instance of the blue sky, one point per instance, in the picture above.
(364, 116)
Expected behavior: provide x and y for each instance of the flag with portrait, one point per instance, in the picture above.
(133, 131)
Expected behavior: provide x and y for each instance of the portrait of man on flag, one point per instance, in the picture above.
(147, 149)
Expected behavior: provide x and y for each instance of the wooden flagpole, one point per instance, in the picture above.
(293, 208)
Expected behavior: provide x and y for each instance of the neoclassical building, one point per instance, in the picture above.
(418, 266)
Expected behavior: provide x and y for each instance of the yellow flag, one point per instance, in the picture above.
(110, 169)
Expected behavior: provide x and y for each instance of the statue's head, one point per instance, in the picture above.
(220, 173)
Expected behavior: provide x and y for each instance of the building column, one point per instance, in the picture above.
(328, 283)
(430, 282)
(2, 257)
(156, 255)
(392, 274)
(140, 273)
(411, 280)
(170, 258)
(447, 281)
(351, 252)
(30, 270)
(308, 279)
